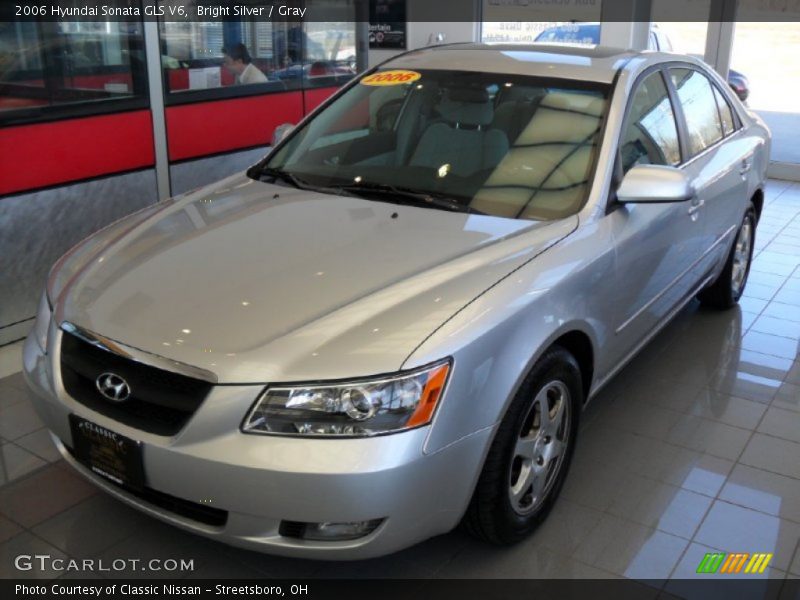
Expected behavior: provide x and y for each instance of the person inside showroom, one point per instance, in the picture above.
(237, 60)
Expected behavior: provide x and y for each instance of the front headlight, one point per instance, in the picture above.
(352, 409)
(42, 323)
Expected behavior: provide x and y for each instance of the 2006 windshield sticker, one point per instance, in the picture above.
(395, 77)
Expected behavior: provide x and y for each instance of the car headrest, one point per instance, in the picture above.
(585, 103)
(466, 106)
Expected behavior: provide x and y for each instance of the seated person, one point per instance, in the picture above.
(237, 60)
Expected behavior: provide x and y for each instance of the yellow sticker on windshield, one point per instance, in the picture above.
(395, 77)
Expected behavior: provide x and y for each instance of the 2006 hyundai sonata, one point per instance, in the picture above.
(392, 323)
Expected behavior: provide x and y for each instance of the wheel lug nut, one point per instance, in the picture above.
(539, 461)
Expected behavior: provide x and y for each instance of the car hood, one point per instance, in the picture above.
(257, 282)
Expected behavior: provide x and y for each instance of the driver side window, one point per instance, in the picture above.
(651, 133)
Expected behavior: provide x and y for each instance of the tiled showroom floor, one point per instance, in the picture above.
(695, 447)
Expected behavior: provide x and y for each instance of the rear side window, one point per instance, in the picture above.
(700, 108)
(651, 136)
(725, 113)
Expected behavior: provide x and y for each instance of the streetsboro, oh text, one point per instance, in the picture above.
(167, 589)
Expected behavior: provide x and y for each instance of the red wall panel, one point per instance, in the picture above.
(195, 130)
(44, 154)
(315, 97)
(98, 82)
(178, 79)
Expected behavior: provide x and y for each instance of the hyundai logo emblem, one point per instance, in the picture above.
(113, 387)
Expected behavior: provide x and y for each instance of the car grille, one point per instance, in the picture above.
(215, 517)
(292, 529)
(161, 402)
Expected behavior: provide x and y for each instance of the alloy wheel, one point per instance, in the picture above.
(540, 448)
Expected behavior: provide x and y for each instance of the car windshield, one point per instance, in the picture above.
(503, 145)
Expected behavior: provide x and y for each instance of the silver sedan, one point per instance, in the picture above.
(391, 324)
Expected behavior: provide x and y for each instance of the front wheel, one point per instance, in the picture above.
(725, 292)
(530, 456)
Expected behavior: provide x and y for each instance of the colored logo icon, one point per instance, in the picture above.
(732, 563)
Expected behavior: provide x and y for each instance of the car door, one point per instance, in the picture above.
(738, 152)
(719, 160)
(656, 244)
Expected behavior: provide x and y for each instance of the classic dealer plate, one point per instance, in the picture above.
(107, 453)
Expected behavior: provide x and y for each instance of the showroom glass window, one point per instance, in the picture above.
(209, 57)
(651, 135)
(696, 95)
(46, 67)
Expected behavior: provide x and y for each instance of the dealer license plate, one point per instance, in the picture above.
(108, 453)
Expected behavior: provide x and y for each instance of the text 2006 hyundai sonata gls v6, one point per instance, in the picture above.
(391, 324)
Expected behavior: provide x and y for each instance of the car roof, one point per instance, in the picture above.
(568, 61)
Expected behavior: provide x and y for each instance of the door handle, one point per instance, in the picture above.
(746, 164)
(697, 204)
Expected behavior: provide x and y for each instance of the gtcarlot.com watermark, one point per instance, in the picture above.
(45, 562)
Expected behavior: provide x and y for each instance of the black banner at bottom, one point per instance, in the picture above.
(416, 589)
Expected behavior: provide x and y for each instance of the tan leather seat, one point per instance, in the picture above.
(544, 173)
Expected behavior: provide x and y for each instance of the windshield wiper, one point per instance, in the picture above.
(401, 195)
(285, 176)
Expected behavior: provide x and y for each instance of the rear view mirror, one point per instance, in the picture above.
(281, 131)
(654, 184)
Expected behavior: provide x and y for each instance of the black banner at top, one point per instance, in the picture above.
(444, 11)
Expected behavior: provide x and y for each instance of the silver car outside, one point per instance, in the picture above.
(231, 302)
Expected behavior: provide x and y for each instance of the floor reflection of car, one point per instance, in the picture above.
(589, 33)
(392, 323)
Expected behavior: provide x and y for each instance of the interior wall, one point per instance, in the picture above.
(54, 220)
(190, 175)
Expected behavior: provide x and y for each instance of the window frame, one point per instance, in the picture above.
(302, 83)
(684, 130)
(737, 122)
(64, 112)
(680, 120)
(658, 68)
(51, 113)
(80, 109)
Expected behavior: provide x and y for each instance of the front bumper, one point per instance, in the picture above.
(263, 480)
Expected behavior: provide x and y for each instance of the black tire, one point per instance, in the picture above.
(723, 294)
(491, 515)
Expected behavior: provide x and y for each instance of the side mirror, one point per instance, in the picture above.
(654, 184)
(281, 131)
